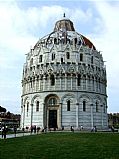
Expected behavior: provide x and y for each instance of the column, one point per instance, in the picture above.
(71, 81)
(44, 115)
(76, 82)
(39, 83)
(86, 85)
(23, 116)
(60, 82)
(92, 125)
(55, 83)
(47, 118)
(60, 115)
(31, 114)
(43, 83)
(65, 81)
(77, 115)
(102, 116)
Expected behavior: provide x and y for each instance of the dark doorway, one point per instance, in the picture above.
(52, 118)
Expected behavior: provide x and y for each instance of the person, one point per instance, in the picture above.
(95, 129)
(34, 128)
(62, 128)
(81, 127)
(31, 129)
(4, 132)
(72, 129)
(15, 130)
(38, 129)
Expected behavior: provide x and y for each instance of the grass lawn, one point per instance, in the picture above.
(62, 146)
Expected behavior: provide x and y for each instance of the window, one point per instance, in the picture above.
(52, 80)
(55, 41)
(81, 57)
(40, 58)
(75, 41)
(52, 101)
(27, 106)
(53, 56)
(67, 55)
(104, 109)
(61, 60)
(37, 106)
(79, 80)
(31, 62)
(84, 105)
(31, 82)
(68, 105)
(97, 107)
(92, 59)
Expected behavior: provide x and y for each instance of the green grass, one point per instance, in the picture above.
(62, 146)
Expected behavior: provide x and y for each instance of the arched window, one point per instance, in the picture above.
(52, 101)
(91, 59)
(27, 108)
(52, 80)
(68, 105)
(53, 56)
(67, 55)
(84, 106)
(97, 109)
(62, 60)
(55, 41)
(84, 82)
(75, 41)
(40, 58)
(79, 80)
(93, 84)
(31, 62)
(81, 57)
(37, 106)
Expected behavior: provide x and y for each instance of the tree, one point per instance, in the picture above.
(2, 109)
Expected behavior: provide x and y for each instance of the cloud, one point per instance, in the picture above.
(20, 28)
(107, 41)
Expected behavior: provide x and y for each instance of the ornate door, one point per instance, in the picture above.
(52, 118)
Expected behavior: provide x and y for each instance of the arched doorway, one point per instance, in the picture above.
(52, 112)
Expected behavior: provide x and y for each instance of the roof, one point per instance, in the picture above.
(67, 25)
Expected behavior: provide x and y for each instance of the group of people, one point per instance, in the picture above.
(94, 129)
(81, 128)
(35, 129)
(5, 129)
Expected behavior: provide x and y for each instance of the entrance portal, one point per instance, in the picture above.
(52, 118)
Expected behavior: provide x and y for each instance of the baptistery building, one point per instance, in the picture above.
(64, 82)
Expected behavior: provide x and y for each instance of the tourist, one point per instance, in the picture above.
(72, 129)
(81, 127)
(4, 132)
(15, 130)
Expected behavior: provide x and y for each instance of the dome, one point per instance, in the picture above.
(63, 25)
(64, 32)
